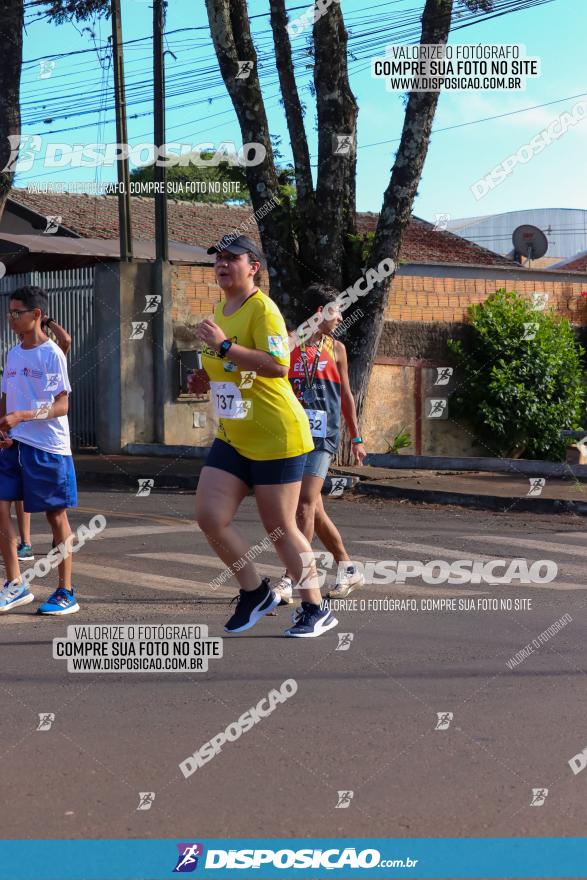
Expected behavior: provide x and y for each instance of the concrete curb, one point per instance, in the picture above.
(174, 482)
(488, 465)
(158, 450)
(498, 503)
(109, 480)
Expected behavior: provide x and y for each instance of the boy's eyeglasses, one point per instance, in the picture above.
(16, 313)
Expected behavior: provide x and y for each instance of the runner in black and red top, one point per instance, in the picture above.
(319, 376)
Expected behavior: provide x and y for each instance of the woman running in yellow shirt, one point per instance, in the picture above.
(262, 440)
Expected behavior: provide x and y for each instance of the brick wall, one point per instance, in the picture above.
(412, 298)
(416, 298)
(423, 312)
(195, 292)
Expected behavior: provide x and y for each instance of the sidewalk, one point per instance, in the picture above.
(169, 473)
(478, 489)
(124, 472)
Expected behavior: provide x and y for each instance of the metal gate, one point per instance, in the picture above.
(71, 303)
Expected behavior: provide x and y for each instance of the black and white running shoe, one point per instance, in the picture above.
(311, 621)
(251, 606)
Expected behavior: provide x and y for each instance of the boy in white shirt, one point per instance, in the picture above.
(36, 464)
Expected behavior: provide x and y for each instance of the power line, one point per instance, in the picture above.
(65, 105)
(126, 43)
(412, 14)
(191, 87)
(366, 146)
(484, 119)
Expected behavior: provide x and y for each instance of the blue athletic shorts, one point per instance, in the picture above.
(255, 473)
(317, 463)
(43, 480)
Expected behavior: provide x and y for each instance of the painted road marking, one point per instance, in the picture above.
(124, 532)
(447, 553)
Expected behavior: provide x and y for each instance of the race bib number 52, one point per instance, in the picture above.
(317, 419)
(228, 401)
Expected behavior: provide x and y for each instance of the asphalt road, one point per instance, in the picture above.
(363, 719)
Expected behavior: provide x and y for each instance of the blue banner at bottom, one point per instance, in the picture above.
(368, 858)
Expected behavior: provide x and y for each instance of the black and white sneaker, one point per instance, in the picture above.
(251, 606)
(311, 621)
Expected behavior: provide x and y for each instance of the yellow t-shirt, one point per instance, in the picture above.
(260, 417)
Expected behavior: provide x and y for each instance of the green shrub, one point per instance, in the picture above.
(522, 380)
(402, 440)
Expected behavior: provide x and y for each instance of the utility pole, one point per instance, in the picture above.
(161, 245)
(124, 222)
(160, 318)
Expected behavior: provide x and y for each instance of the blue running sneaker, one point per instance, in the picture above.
(60, 602)
(251, 607)
(312, 621)
(25, 553)
(12, 595)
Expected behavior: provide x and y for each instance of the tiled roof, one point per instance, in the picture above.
(578, 263)
(202, 224)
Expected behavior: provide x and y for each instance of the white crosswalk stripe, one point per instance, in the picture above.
(152, 581)
(132, 531)
(44, 538)
(207, 561)
(545, 547)
(570, 534)
(198, 560)
(131, 577)
(431, 552)
(428, 550)
(277, 571)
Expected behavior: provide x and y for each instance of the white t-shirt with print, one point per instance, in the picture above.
(33, 377)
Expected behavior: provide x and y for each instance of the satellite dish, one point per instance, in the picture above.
(530, 242)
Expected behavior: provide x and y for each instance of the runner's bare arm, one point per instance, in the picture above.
(349, 409)
(58, 408)
(62, 337)
(5, 441)
(261, 362)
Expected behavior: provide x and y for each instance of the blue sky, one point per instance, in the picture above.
(456, 159)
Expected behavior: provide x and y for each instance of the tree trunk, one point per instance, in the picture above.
(397, 204)
(337, 116)
(333, 204)
(11, 26)
(231, 35)
(305, 211)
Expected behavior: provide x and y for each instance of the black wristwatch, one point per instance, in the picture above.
(225, 347)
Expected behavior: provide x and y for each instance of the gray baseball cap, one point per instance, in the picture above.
(239, 244)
